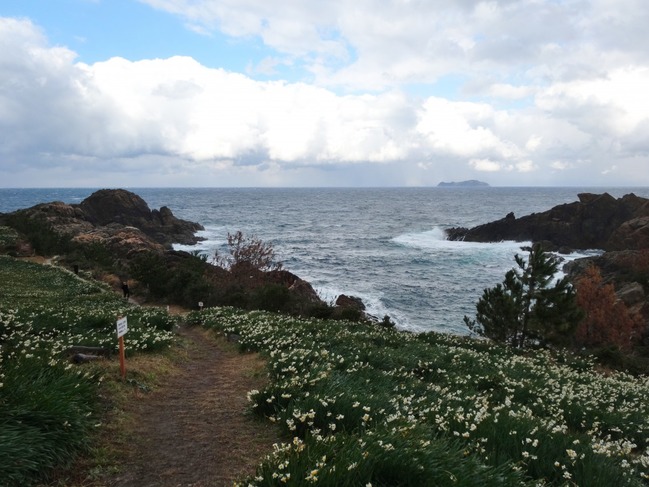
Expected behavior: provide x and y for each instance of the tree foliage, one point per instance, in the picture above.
(607, 321)
(530, 306)
(179, 278)
(248, 253)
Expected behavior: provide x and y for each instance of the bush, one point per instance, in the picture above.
(321, 311)
(271, 297)
(8, 238)
(234, 296)
(248, 253)
(349, 314)
(607, 321)
(151, 270)
(40, 234)
(92, 255)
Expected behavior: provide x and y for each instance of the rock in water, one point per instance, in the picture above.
(593, 222)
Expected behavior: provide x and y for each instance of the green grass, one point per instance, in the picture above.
(26, 283)
(357, 402)
(48, 407)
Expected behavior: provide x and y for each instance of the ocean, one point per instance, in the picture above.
(384, 245)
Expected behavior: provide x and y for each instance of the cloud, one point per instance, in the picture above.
(380, 44)
(486, 165)
(619, 98)
(213, 126)
(177, 107)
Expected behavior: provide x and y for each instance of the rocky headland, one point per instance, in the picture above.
(117, 218)
(594, 222)
(617, 227)
(116, 229)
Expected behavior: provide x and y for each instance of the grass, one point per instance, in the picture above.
(50, 409)
(357, 402)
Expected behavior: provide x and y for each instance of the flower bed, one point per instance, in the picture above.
(48, 405)
(365, 405)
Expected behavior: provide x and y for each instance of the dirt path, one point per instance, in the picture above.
(194, 430)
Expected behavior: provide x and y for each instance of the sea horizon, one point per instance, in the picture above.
(325, 187)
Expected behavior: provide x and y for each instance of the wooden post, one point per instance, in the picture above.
(122, 361)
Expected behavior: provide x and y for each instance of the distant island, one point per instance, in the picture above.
(464, 184)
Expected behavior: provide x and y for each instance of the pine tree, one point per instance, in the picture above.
(526, 308)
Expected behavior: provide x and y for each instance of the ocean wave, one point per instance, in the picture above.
(435, 239)
(213, 239)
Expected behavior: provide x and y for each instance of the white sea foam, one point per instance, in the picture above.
(435, 239)
(374, 305)
(214, 238)
(580, 254)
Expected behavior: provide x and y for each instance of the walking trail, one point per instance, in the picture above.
(194, 430)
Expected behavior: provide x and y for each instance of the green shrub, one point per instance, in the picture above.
(349, 314)
(321, 311)
(271, 297)
(152, 270)
(233, 296)
(40, 234)
(8, 238)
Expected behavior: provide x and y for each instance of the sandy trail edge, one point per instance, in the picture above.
(194, 430)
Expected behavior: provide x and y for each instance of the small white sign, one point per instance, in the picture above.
(200, 304)
(122, 327)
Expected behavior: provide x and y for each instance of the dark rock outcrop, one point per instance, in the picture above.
(593, 222)
(296, 285)
(352, 302)
(122, 241)
(108, 206)
(619, 227)
(116, 218)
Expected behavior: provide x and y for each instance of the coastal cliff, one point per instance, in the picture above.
(116, 218)
(618, 227)
(114, 234)
(593, 222)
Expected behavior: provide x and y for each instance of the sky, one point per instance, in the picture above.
(254, 93)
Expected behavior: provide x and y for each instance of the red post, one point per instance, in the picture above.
(122, 364)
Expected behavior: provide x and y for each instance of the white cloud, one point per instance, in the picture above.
(382, 43)
(560, 165)
(486, 165)
(619, 99)
(583, 108)
(510, 92)
(526, 166)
